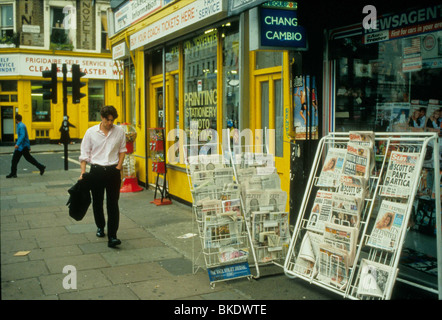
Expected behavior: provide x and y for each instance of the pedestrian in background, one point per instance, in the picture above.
(104, 148)
(65, 137)
(23, 148)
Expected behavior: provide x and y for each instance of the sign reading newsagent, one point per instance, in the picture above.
(280, 29)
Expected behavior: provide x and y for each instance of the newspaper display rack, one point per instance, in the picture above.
(354, 216)
(264, 204)
(217, 208)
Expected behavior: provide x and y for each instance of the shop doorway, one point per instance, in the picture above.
(269, 101)
(7, 124)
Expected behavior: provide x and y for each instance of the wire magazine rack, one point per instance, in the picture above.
(258, 235)
(217, 208)
(372, 266)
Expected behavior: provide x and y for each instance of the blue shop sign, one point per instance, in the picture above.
(279, 28)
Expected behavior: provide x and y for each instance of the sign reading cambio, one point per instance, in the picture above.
(186, 16)
(24, 65)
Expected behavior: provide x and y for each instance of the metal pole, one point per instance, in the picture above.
(65, 113)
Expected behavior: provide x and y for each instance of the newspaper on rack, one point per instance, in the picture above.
(374, 278)
(352, 186)
(321, 211)
(400, 177)
(365, 139)
(332, 266)
(232, 206)
(221, 232)
(357, 160)
(270, 229)
(342, 237)
(277, 199)
(332, 169)
(254, 199)
(346, 210)
(308, 253)
(232, 254)
(388, 226)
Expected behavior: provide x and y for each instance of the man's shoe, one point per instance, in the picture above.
(11, 176)
(42, 170)
(100, 232)
(113, 242)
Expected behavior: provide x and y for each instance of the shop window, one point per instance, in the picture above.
(41, 109)
(96, 99)
(61, 33)
(200, 87)
(231, 100)
(390, 86)
(8, 85)
(133, 100)
(6, 23)
(104, 32)
(268, 59)
(172, 66)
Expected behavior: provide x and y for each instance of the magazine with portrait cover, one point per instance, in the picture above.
(357, 161)
(342, 237)
(400, 176)
(321, 211)
(332, 169)
(308, 253)
(374, 278)
(352, 186)
(345, 210)
(332, 266)
(388, 225)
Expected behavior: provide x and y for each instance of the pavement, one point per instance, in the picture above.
(44, 252)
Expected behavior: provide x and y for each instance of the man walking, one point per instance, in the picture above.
(104, 148)
(22, 148)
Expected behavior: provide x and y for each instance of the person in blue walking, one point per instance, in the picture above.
(23, 148)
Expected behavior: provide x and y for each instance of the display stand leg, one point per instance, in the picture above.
(163, 191)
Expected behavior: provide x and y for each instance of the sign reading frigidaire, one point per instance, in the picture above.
(279, 28)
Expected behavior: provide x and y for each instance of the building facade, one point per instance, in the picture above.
(230, 72)
(37, 33)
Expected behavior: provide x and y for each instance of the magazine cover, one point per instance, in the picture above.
(357, 161)
(388, 225)
(332, 169)
(321, 211)
(400, 176)
(374, 278)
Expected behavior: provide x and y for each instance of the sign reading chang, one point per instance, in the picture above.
(280, 28)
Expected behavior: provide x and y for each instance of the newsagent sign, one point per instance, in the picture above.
(25, 65)
(404, 24)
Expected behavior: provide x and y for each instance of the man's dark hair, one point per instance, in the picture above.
(109, 111)
(18, 117)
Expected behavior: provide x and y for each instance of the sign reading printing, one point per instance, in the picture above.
(229, 272)
(279, 28)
